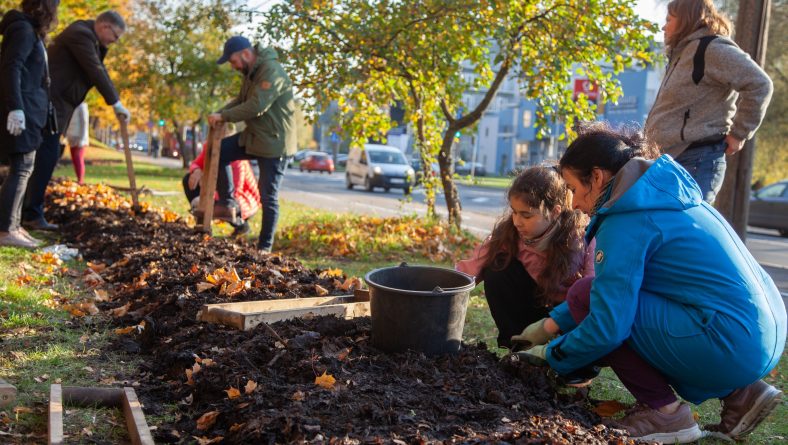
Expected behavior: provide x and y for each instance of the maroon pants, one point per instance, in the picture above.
(646, 383)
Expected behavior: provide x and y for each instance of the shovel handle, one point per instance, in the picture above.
(124, 134)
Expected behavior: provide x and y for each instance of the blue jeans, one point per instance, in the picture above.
(47, 155)
(272, 171)
(706, 164)
(12, 193)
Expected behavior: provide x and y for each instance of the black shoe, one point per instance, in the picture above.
(579, 377)
(241, 229)
(39, 224)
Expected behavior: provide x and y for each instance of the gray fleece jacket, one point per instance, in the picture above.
(685, 112)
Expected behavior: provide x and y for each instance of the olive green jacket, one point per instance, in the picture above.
(267, 106)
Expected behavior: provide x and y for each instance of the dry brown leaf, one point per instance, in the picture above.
(251, 385)
(320, 290)
(207, 420)
(97, 267)
(100, 295)
(206, 441)
(236, 426)
(202, 287)
(298, 396)
(233, 393)
(126, 330)
(609, 408)
(189, 375)
(194, 269)
(343, 355)
(325, 381)
(120, 311)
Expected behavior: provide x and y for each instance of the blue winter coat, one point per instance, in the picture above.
(22, 82)
(677, 284)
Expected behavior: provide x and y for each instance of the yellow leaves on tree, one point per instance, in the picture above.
(325, 381)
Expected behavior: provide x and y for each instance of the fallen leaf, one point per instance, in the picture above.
(297, 396)
(120, 311)
(206, 441)
(202, 287)
(125, 331)
(609, 408)
(325, 381)
(100, 295)
(207, 420)
(233, 393)
(320, 290)
(343, 355)
(251, 385)
(97, 267)
(236, 426)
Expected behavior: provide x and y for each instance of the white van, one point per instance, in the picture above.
(379, 166)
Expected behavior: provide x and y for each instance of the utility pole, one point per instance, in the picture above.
(733, 201)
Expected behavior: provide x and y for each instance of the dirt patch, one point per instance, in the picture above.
(274, 385)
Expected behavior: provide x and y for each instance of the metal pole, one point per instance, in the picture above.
(733, 200)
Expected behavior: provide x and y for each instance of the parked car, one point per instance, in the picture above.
(769, 208)
(320, 162)
(466, 168)
(301, 154)
(379, 166)
(341, 159)
(415, 163)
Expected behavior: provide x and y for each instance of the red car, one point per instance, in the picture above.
(320, 162)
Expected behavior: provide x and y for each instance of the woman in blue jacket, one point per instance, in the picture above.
(24, 101)
(678, 302)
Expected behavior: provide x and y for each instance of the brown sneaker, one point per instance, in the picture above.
(646, 424)
(16, 239)
(744, 410)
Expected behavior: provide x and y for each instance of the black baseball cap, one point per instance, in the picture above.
(232, 46)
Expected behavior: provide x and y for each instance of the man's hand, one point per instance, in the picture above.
(121, 112)
(194, 178)
(16, 122)
(536, 333)
(215, 119)
(535, 356)
(734, 144)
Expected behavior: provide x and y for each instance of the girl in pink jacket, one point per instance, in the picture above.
(534, 254)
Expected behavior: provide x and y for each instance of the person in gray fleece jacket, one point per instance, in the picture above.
(713, 96)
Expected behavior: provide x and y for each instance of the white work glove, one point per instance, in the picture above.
(16, 122)
(121, 112)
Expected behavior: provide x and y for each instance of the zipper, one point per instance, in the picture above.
(684, 125)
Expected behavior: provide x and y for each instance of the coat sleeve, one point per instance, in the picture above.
(730, 66)
(267, 88)
(198, 162)
(21, 40)
(473, 265)
(83, 47)
(623, 244)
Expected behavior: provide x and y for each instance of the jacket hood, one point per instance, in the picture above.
(697, 34)
(11, 17)
(651, 185)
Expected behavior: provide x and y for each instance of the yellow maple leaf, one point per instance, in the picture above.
(325, 381)
(233, 393)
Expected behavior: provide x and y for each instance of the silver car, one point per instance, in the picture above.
(769, 208)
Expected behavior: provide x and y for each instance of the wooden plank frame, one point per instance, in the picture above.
(7, 394)
(212, 149)
(123, 398)
(248, 314)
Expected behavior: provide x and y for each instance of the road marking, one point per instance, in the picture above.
(772, 265)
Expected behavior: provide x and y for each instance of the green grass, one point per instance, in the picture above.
(39, 339)
(500, 182)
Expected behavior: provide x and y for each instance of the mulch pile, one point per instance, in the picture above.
(317, 379)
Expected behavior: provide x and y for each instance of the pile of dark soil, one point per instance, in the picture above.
(316, 379)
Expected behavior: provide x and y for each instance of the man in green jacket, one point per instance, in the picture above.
(267, 106)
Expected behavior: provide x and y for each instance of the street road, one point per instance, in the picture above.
(481, 207)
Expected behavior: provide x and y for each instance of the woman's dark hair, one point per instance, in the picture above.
(44, 13)
(542, 188)
(598, 145)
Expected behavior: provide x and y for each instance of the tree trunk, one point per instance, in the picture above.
(733, 201)
(181, 145)
(453, 204)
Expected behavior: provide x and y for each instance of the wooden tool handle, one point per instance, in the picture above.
(124, 134)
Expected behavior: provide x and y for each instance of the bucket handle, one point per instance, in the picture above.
(437, 290)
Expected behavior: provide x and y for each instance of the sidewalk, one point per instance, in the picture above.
(162, 161)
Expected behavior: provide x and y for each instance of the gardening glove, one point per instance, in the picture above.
(536, 356)
(121, 112)
(533, 335)
(16, 122)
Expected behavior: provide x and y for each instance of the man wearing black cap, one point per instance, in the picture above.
(267, 106)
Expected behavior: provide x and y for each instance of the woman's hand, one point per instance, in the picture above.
(734, 144)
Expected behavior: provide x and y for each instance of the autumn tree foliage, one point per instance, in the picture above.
(368, 55)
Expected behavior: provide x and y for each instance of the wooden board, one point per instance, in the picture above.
(7, 394)
(125, 399)
(210, 172)
(124, 134)
(248, 314)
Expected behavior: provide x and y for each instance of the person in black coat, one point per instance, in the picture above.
(24, 105)
(76, 58)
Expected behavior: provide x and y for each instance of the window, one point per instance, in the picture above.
(773, 191)
(528, 117)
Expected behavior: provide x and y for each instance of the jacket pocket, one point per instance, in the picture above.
(684, 124)
(694, 321)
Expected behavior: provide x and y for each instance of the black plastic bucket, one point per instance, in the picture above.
(421, 308)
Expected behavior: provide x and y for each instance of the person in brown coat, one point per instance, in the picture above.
(76, 61)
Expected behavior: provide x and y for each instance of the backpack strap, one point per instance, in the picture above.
(699, 60)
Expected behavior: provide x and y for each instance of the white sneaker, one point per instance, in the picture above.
(24, 232)
(16, 239)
